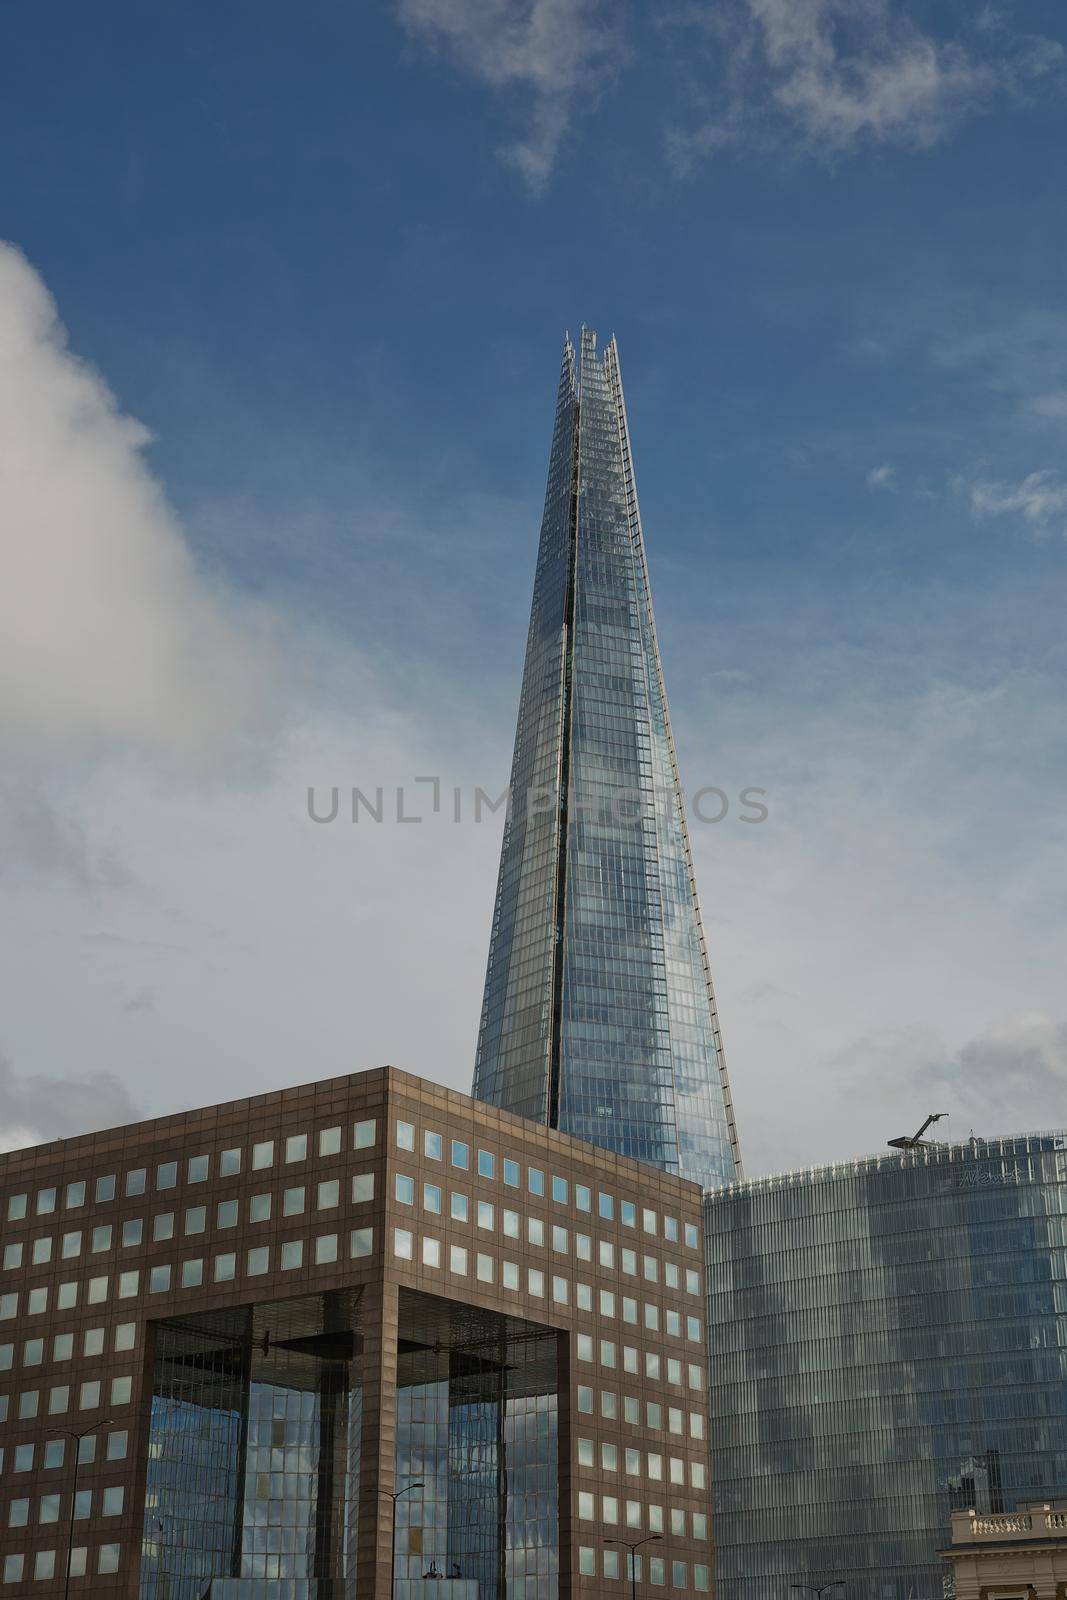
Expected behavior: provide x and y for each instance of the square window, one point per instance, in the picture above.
(226, 1214)
(54, 1452)
(199, 1169)
(97, 1291)
(229, 1162)
(292, 1254)
(29, 1404)
(511, 1224)
(126, 1336)
(628, 1214)
(166, 1176)
(132, 1232)
(405, 1136)
(129, 1283)
(196, 1219)
(121, 1390)
(101, 1238)
(405, 1189)
(457, 1260)
(583, 1197)
(12, 1256)
(93, 1342)
(559, 1239)
(485, 1214)
(112, 1500)
(585, 1400)
(583, 1247)
(486, 1164)
(364, 1134)
(535, 1283)
(535, 1179)
(193, 1273)
(670, 1229)
(535, 1230)
(259, 1208)
(163, 1226)
(46, 1202)
(586, 1561)
(691, 1236)
(484, 1267)
(263, 1155)
(108, 1558)
(329, 1141)
(296, 1147)
(583, 1296)
(459, 1206)
(511, 1173)
(559, 1190)
(7, 1357)
(16, 1207)
(118, 1445)
(159, 1279)
(607, 1253)
(258, 1261)
(585, 1452)
(58, 1399)
(293, 1201)
(362, 1242)
(431, 1198)
(648, 1220)
(461, 1154)
(45, 1564)
(325, 1249)
(560, 1291)
(610, 1563)
(105, 1188)
(14, 1566)
(607, 1353)
(433, 1146)
(225, 1267)
(509, 1274)
(89, 1395)
(42, 1252)
(607, 1303)
(606, 1206)
(670, 1275)
(37, 1299)
(402, 1244)
(431, 1251)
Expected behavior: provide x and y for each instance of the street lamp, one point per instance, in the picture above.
(394, 1497)
(67, 1433)
(819, 1589)
(634, 1546)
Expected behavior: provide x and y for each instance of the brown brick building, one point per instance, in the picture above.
(269, 1317)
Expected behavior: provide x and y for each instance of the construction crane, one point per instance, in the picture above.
(916, 1141)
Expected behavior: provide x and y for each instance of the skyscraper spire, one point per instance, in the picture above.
(599, 1013)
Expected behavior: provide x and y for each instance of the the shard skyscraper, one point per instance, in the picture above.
(599, 1013)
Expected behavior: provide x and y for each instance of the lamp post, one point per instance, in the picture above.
(66, 1433)
(819, 1589)
(633, 1546)
(394, 1496)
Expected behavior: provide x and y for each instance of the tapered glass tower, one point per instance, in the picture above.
(599, 1013)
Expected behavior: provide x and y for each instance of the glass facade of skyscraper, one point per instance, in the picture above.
(889, 1342)
(599, 1016)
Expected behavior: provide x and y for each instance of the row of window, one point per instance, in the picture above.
(50, 1564)
(93, 1344)
(51, 1453)
(560, 1189)
(637, 1463)
(131, 1233)
(296, 1147)
(193, 1272)
(631, 1514)
(631, 1412)
(616, 1564)
(109, 1502)
(59, 1399)
(484, 1214)
(435, 1253)
(655, 1366)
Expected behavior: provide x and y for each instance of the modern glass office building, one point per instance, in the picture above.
(888, 1342)
(599, 1014)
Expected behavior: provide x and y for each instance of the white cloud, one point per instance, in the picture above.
(109, 634)
(883, 477)
(1040, 499)
(843, 73)
(546, 49)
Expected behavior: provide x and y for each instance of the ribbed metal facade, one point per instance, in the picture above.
(599, 1015)
(888, 1341)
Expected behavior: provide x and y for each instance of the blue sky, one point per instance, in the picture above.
(325, 256)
